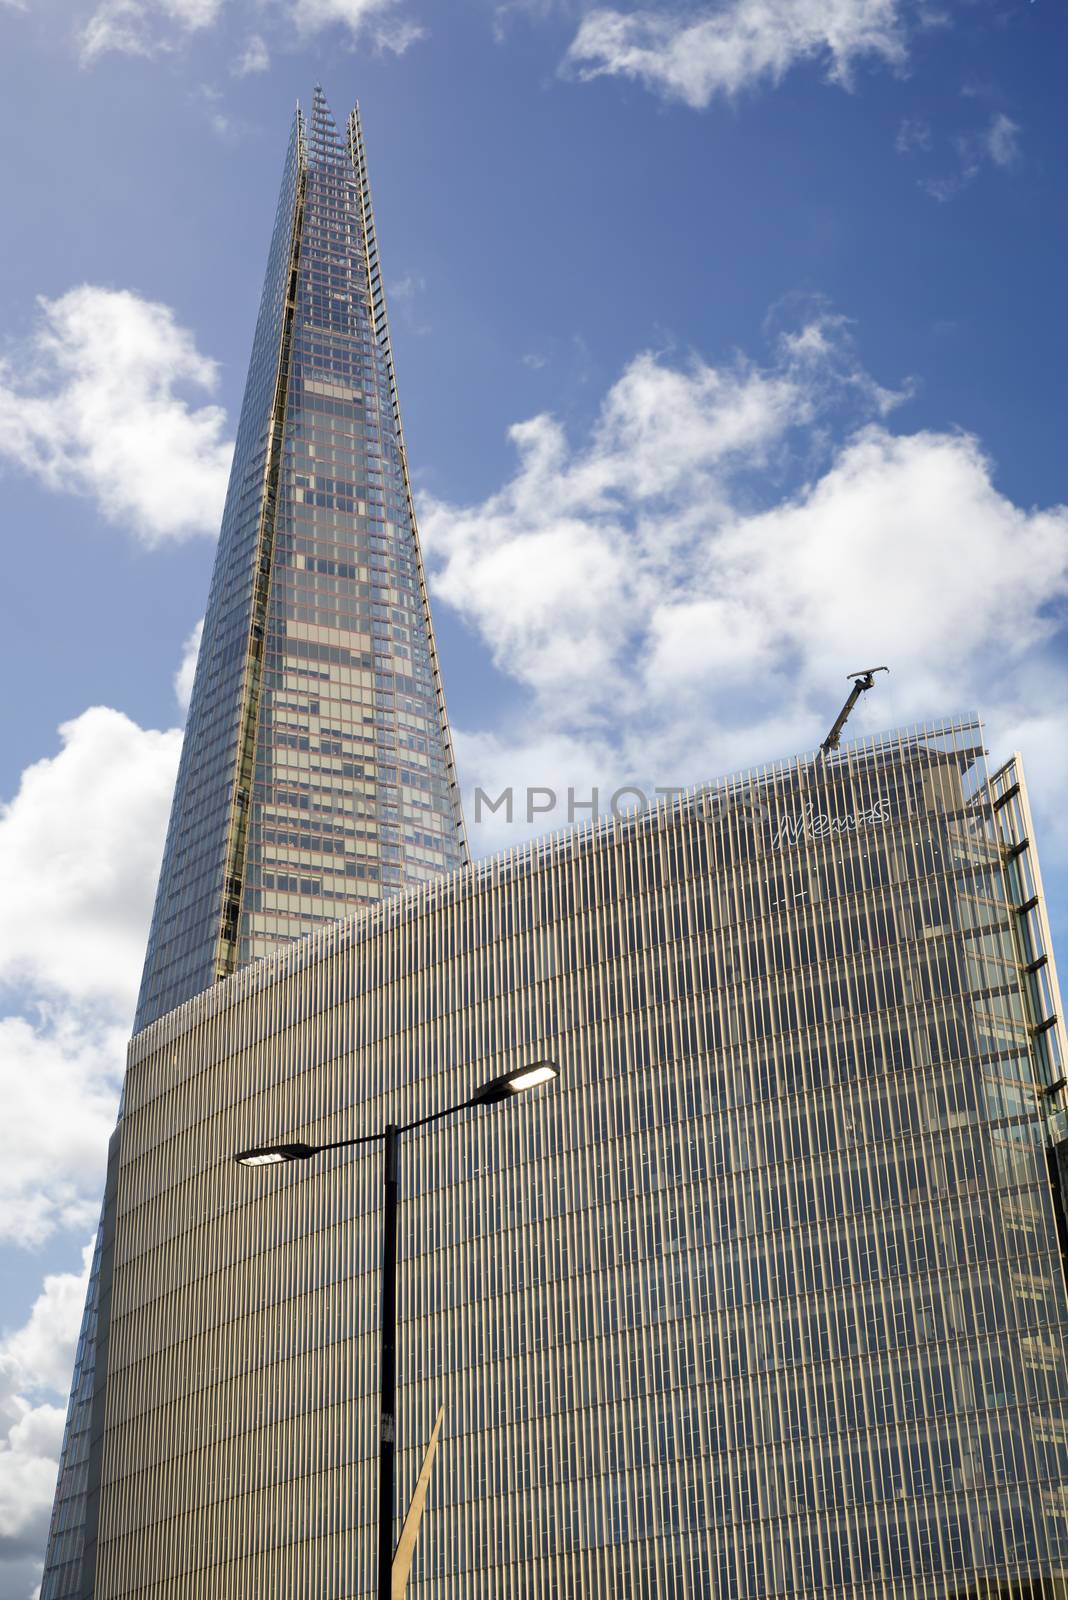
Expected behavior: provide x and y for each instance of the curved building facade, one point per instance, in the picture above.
(766, 1296)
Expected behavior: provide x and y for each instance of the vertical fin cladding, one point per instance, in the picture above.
(226, 959)
(1015, 831)
(376, 306)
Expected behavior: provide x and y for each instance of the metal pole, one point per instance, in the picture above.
(387, 1428)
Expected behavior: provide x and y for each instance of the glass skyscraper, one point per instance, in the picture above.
(317, 773)
(766, 1297)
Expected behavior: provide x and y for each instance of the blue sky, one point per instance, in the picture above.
(730, 342)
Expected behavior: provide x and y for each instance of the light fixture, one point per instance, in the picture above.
(530, 1077)
(268, 1155)
(515, 1082)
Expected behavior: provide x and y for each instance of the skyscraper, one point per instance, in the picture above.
(317, 770)
(767, 1297)
(316, 773)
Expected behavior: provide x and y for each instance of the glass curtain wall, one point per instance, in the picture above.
(765, 1297)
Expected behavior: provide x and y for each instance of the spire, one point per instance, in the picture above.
(325, 148)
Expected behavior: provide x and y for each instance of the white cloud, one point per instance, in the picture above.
(60, 1079)
(35, 1361)
(39, 1355)
(183, 678)
(554, 569)
(143, 27)
(695, 57)
(254, 58)
(376, 17)
(29, 1455)
(1003, 140)
(95, 407)
(80, 847)
(152, 28)
(683, 592)
(999, 143)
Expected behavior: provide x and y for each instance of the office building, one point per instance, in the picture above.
(766, 1296)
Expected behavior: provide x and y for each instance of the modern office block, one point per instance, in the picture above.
(766, 1296)
(316, 773)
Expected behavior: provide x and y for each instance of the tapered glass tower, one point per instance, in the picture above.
(317, 772)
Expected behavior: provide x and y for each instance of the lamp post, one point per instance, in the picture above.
(492, 1093)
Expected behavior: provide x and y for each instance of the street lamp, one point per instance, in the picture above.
(492, 1093)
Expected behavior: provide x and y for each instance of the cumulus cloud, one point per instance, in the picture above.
(152, 28)
(693, 57)
(379, 18)
(35, 1366)
(556, 567)
(60, 1079)
(143, 27)
(183, 678)
(96, 406)
(29, 1456)
(39, 1355)
(80, 844)
(80, 847)
(683, 591)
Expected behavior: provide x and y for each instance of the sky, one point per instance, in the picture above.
(730, 344)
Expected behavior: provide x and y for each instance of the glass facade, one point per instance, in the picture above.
(316, 772)
(766, 1296)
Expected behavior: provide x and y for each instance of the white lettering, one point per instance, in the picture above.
(808, 823)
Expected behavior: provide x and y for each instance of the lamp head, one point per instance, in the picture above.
(515, 1082)
(269, 1155)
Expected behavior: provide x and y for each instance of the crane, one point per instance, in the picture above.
(862, 681)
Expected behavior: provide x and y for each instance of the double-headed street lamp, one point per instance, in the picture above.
(492, 1093)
